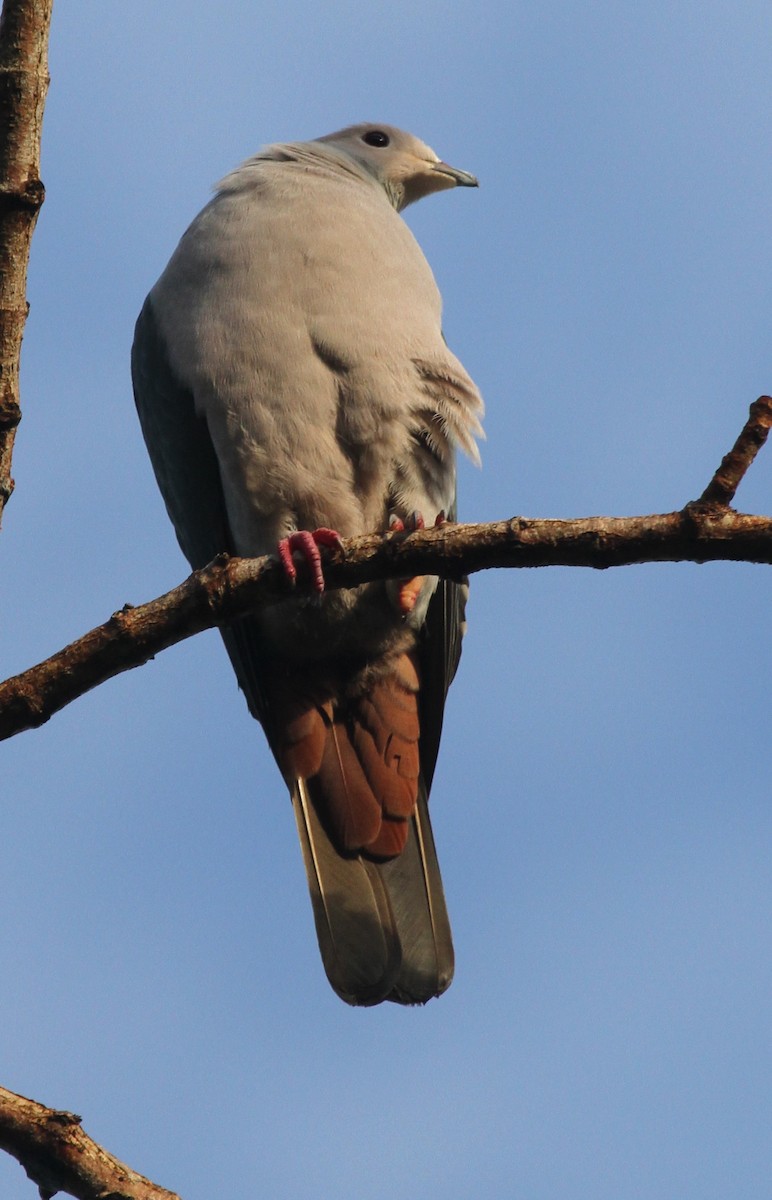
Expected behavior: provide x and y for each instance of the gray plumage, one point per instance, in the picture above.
(290, 373)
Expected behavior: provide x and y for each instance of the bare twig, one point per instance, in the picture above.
(230, 587)
(59, 1157)
(24, 26)
(727, 479)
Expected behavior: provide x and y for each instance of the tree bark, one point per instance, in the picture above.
(59, 1157)
(24, 28)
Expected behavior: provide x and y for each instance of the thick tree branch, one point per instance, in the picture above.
(59, 1157)
(703, 531)
(24, 27)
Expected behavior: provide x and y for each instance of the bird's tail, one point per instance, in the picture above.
(383, 927)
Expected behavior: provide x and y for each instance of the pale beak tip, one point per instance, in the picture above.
(460, 178)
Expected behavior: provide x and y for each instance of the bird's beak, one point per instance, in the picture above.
(460, 178)
(432, 175)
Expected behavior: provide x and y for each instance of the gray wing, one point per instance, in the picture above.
(179, 446)
(439, 651)
(188, 476)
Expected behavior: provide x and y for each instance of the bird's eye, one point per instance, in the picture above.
(376, 137)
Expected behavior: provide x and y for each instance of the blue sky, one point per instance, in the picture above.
(601, 805)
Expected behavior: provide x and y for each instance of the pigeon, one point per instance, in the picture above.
(294, 388)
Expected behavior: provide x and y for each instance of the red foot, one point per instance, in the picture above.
(307, 544)
(409, 590)
(414, 521)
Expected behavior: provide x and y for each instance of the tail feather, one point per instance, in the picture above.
(355, 927)
(353, 767)
(351, 805)
(414, 884)
(392, 779)
(361, 750)
(382, 927)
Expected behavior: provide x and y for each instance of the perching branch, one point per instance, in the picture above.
(59, 1157)
(24, 26)
(704, 531)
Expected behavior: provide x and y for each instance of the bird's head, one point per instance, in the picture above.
(404, 166)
